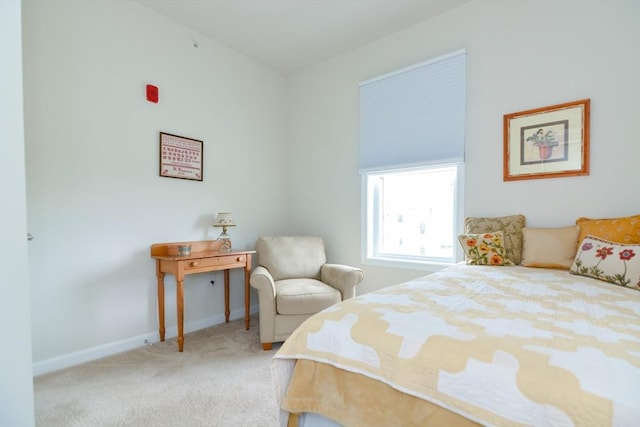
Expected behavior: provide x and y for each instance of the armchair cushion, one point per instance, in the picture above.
(304, 296)
(290, 257)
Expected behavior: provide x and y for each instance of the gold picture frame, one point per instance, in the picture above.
(547, 142)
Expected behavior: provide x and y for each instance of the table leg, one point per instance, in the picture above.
(160, 277)
(180, 301)
(247, 293)
(226, 296)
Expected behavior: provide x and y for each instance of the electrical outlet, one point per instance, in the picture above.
(147, 342)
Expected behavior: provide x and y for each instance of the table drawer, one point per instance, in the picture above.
(220, 262)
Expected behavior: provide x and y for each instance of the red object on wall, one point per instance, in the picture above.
(152, 93)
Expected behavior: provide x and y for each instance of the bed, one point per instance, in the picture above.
(470, 345)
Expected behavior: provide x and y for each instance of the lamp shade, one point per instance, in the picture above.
(223, 219)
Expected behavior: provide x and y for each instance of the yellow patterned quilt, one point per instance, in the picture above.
(498, 346)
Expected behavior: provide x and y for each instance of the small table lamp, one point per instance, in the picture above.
(224, 220)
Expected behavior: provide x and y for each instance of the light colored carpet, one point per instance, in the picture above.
(221, 379)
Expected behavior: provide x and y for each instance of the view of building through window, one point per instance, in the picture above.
(413, 213)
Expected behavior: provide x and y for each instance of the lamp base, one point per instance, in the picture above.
(226, 246)
(226, 241)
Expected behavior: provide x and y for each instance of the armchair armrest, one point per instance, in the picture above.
(262, 281)
(342, 277)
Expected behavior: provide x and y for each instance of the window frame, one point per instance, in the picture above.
(369, 231)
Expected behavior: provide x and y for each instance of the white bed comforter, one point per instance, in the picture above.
(498, 345)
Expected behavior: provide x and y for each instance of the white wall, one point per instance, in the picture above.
(95, 200)
(16, 385)
(521, 55)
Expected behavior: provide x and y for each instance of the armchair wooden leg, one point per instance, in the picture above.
(266, 346)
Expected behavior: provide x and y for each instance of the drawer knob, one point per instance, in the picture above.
(239, 259)
(194, 264)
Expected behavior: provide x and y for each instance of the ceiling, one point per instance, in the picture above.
(289, 35)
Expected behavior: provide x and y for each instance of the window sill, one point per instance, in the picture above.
(429, 266)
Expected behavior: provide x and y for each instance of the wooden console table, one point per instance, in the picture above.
(205, 257)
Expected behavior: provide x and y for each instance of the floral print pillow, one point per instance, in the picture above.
(608, 261)
(511, 226)
(484, 249)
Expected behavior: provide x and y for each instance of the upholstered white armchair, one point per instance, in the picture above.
(294, 282)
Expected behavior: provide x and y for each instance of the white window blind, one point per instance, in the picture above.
(414, 116)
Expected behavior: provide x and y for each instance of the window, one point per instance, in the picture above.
(412, 162)
(412, 215)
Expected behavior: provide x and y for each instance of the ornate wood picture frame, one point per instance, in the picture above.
(180, 157)
(547, 142)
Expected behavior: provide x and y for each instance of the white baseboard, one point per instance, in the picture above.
(76, 358)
